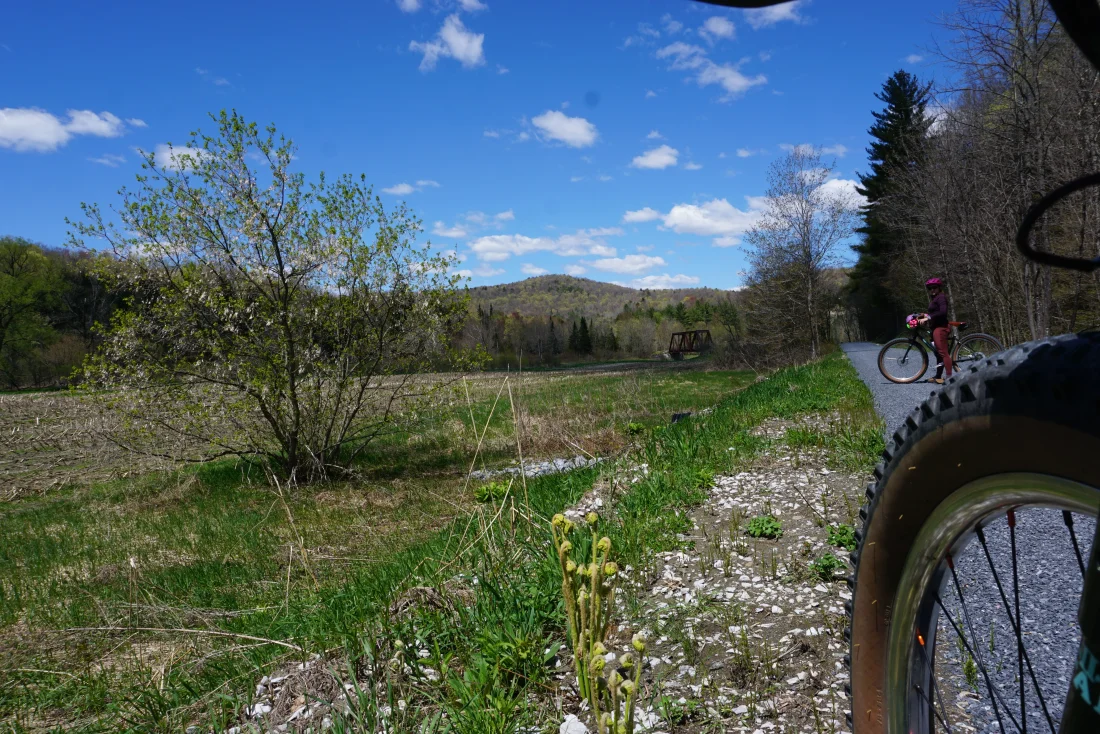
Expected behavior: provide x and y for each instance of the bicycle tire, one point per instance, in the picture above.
(882, 359)
(1031, 409)
(976, 336)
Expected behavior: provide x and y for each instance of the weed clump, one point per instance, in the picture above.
(824, 567)
(589, 591)
(491, 492)
(764, 526)
(842, 536)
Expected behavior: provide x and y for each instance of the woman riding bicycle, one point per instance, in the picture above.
(936, 319)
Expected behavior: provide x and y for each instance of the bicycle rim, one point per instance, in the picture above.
(903, 361)
(948, 642)
(976, 348)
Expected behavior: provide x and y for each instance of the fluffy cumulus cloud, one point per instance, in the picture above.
(29, 129)
(443, 230)
(717, 27)
(660, 282)
(135, 122)
(575, 270)
(576, 132)
(401, 189)
(472, 6)
(454, 41)
(843, 189)
(763, 17)
(714, 218)
(630, 265)
(654, 135)
(530, 269)
(692, 166)
(408, 6)
(658, 158)
(691, 58)
(177, 159)
(507, 216)
(645, 214)
(499, 247)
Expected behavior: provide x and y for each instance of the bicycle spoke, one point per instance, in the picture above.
(942, 713)
(1016, 628)
(1067, 518)
(973, 651)
(1019, 637)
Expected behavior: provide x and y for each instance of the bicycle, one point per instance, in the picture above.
(905, 359)
(999, 453)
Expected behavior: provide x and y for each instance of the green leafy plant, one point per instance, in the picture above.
(824, 567)
(491, 492)
(589, 591)
(634, 429)
(764, 526)
(842, 536)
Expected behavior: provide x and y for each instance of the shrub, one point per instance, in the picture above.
(764, 526)
(824, 567)
(842, 536)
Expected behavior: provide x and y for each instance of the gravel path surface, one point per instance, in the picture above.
(1050, 589)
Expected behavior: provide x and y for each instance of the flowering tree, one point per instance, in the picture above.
(271, 319)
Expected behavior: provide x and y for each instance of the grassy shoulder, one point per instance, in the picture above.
(219, 560)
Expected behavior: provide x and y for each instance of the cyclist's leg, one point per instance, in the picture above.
(939, 338)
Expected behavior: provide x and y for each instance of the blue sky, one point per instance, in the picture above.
(622, 140)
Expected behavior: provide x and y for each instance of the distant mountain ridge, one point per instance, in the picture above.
(566, 295)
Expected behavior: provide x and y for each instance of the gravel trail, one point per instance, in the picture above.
(1050, 589)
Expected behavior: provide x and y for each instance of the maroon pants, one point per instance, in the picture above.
(939, 338)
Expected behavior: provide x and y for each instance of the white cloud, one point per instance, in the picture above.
(629, 265)
(529, 269)
(472, 6)
(717, 27)
(713, 218)
(801, 148)
(496, 248)
(478, 218)
(502, 69)
(443, 230)
(25, 129)
(838, 150)
(692, 166)
(914, 59)
(726, 241)
(574, 270)
(687, 57)
(576, 132)
(845, 190)
(661, 282)
(109, 159)
(408, 6)
(135, 122)
(644, 248)
(762, 17)
(492, 133)
(661, 157)
(177, 159)
(604, 177)
(671, 26)
(484, 271)
(654, 135)
(221, 81)
(453, 41)
(576, 179)
(401, 189)
(523, 136)
(650, 94)
(507, 216)
(644, 214)
(749, 152)
(423, 183)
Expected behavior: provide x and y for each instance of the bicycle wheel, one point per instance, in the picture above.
(972, 349)
(991, 482)
(902, 360)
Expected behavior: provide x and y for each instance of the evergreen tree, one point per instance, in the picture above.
(574, 340)
(555, 343)
(584, 339)
(898, 136)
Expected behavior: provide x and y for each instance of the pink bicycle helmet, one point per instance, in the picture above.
(933, 282)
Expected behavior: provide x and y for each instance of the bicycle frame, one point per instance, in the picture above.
(1083, 702)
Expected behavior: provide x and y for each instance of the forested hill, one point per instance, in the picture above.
(565, 295)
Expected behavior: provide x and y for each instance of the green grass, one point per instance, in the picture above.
(211, 552)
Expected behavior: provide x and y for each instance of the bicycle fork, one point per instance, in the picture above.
(1082, 711)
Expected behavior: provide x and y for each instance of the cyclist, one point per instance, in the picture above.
(936, 318)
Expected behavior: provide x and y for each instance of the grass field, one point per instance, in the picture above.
(97, 548)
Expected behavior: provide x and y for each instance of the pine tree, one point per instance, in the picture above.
(574, 340)
(555, 344)
(584, 339)
(898, 136)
